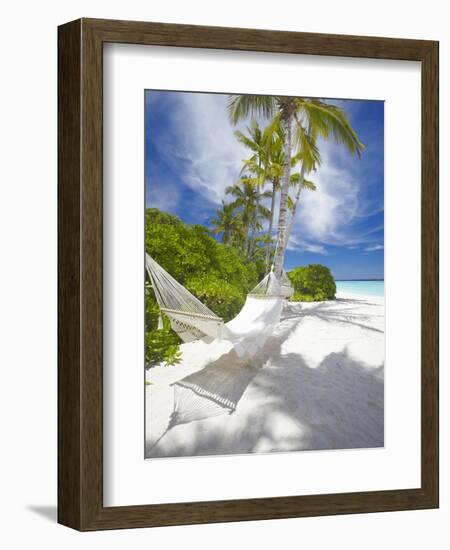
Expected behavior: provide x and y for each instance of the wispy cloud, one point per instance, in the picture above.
(337, 213)
(165, 197)
(200, 143)
(301, 245)
(326, 215)
(374, 248)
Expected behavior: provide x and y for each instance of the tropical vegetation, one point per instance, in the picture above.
(298, 123)
(312, 283)
(218, 274)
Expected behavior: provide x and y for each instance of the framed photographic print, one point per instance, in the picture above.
(248, 274)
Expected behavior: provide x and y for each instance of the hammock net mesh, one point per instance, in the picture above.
(171, 295)
(269, 286)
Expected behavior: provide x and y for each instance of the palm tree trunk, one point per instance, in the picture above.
(251, 242)
(299, 191)
(294, 208)
(269, 231)
(282, 218)
(246, 240)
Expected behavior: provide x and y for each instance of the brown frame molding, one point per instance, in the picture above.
(80, 415)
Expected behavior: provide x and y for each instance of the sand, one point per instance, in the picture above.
(317, 384)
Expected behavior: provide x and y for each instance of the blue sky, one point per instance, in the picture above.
(191, 156)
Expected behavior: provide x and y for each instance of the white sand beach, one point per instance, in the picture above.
(317, 384)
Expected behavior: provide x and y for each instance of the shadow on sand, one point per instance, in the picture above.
(337, 405)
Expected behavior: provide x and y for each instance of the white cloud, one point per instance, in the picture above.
(331, 215)
(165, 197)
(302, 246)
(201, 143)
(374, 248)
(324, 215)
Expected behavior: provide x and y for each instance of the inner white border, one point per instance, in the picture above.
(128, 478)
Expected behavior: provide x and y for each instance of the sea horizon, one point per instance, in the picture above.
(357, 279)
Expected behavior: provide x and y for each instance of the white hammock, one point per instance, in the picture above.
(218, 388)
(192, 320)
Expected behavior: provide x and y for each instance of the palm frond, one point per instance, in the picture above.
(295, 179)
(242, 106)
(305, 143)
(330, 120)
(290, 203)
(308, 184)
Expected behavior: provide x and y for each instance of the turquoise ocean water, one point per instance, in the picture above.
(371, 288)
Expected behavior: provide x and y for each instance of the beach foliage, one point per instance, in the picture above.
(312, 283)
(217, 274)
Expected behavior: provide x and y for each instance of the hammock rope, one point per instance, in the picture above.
(188, 316)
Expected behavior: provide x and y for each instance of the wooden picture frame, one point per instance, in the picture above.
(80, 271)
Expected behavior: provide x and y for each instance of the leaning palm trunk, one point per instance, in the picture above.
(251, 241)
(284, 195)
(296, 201)
(269, 232)
(246, 239)
(299, 192)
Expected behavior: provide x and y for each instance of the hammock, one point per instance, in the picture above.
(217, 388)
(192, 320)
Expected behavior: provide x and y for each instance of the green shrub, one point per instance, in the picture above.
(312, 283)
(221, 297)
(220, 276)
(162, 346)
(188, 251)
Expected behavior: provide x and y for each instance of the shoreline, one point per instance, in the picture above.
(344, 295)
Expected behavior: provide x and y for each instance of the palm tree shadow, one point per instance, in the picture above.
(302, 395)
(325, 312)
(337, 405)
(218, 387)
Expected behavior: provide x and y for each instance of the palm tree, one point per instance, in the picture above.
(263, 165)
(226, 222)
(266, 165)
(257, 164)
(312, 118)
(247, 198)
(256, 142)
(274, 174)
